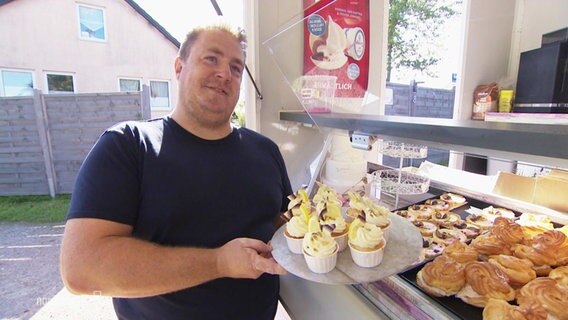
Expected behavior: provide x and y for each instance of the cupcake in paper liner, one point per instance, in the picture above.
(320, 251)
(297, 227)
(330, 218)
(366, 243)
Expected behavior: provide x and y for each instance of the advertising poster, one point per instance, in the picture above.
(336, 41)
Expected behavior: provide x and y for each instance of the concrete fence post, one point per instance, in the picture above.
(43, 132)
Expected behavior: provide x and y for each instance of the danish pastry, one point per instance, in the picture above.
(426, 228)
(421, 211)
(469, 230)
(406, 215)
(447, 236)
(497, 309)
(508, 231)
(519, 271)
(461, 252)
(455, 200)
(560, 275)
(431, 248)
(437, 204)
(446, 218)
(541, 259)
(442, 277)
(489, 244)
(484, 281)
(547, 293)
(479, 220)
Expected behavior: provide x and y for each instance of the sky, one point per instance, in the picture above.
(178, 16)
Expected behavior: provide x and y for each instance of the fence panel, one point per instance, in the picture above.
(45, 138)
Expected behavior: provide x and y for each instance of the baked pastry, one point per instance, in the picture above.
(493, 213)
(442, 277)
(484, 281)
(541, 259)
(437, 204)
(469, 230)
(490, 245)
(426, 228)
(455, 200)
(508, 231)
(519, 271)
(560, 275)
(421, 211)
(461, 252)
(446, 218)
(447, 236)
(497, 309)
(406, 215)
(552, 239)
(480, 221)
(547, 293)
(431, 248)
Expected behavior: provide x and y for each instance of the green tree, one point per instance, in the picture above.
(411, 24)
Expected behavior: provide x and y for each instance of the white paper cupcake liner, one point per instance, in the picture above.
(294, 244)
(321, 264)
(367, 259)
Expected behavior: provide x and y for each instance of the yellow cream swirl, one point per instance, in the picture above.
(368, 236)
(319, 244)
(297, 227)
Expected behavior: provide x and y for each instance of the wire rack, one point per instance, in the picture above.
(402, 150)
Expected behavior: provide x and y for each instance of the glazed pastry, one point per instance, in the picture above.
(437, 204)
(447, 236)
(460, 252)
(446, 218)
(547, 293)
(497, 309)
(560, 275)
(484, 281)
(539, 221)
(508, 231)
(469, 230)
(455, 200)
(479, 220)
(427, 229)
(519, 271)
(541, 259)
(488, 244)
(442, 277)
(406, 215)
(422, 212)
(552, 239)
(562, 256)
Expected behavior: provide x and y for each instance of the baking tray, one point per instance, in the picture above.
(452, 304)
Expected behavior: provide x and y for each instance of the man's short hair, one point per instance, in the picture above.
(238, 34)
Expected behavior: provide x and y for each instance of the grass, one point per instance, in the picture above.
(34, 209)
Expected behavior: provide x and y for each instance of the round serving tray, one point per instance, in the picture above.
(402, 250)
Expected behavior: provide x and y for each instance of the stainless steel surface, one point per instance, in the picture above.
(535, 143)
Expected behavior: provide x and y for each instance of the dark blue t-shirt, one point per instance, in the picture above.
(175, 188)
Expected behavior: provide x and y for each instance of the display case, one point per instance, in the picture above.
(302, 131)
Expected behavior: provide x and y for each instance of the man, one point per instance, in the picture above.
(172, 216)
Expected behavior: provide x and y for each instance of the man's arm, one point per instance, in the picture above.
(101, 256)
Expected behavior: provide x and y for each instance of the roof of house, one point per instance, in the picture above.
(144, 14)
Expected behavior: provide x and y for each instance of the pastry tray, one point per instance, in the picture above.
(401, 251)
(454, 305)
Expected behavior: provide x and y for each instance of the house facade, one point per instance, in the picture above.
(85, 46)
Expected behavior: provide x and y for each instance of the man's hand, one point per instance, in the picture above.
(246, 258)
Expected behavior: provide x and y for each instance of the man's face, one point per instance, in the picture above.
(210, 78)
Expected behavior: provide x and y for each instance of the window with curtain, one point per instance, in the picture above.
(91, 23)
(129, 85)
(160, 94)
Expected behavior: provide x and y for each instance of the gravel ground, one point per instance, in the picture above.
(29, 267)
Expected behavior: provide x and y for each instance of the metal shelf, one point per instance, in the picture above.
(536, 143)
